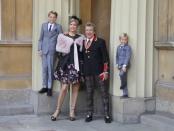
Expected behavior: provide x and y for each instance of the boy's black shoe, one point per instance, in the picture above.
(108, 119)
(88, 118)
(43, 90)
(49, 92)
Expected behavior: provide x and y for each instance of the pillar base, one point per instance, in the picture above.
(129, 110)
(44, 104)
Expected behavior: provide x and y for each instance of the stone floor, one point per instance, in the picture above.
(43, 123)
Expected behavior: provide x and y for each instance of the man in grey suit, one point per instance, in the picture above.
(123, 62)
(47, 49)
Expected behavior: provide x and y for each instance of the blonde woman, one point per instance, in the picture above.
(69, 47)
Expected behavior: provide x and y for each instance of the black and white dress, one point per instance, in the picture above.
(69, 68)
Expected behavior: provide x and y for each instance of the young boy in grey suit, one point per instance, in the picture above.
(123, 56)
(47, 49)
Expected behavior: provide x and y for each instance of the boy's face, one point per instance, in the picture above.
(124, 40)
(52, 18)
(89, 32)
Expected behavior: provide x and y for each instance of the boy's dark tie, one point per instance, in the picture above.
(50, 28)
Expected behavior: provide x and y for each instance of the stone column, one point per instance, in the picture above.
(134, 17)
(42, 103)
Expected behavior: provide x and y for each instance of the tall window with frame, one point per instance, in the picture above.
(16, 20)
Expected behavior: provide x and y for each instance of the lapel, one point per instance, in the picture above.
(92, 43)
(46, 27)
(54, 27)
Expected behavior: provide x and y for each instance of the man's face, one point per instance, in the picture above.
(52, 18)
(89, 32)
(124, 40)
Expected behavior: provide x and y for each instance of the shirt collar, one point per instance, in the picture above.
(90, 39)
(50, 24)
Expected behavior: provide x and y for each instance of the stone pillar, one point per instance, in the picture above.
(40, 15)
(134, 17)
(42, 103)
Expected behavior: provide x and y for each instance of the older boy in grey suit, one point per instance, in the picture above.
(47, 49)
(123, 62)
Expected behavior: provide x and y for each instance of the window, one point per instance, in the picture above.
(15, 20)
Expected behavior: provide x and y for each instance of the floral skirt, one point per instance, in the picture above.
(67, 76)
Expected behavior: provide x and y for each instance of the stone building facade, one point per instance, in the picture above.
(149, 24)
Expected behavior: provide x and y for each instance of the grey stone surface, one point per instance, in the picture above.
(165, 97)
(160, 122)
(129, 110)
(16, 109)
(43, 123)
(44, 104)
(15, 101)
(14, 96)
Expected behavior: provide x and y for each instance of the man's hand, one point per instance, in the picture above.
(103, 76)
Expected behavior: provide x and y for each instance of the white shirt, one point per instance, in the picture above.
(89, 39)
(49, 24)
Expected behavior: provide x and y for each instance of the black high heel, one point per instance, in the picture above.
(72, 115)
(53, 117)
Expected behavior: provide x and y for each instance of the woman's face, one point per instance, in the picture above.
(73, 26)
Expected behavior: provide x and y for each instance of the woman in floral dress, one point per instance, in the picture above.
(68, 71)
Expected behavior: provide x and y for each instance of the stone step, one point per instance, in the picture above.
(160, 122)
(6, 110)
(14, 96)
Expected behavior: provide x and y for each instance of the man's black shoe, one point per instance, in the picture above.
(107, 119)
(88, 118)
(49, 92)
(43, 90)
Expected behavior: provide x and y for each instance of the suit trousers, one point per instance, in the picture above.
(91, 81)
(123, 78)
(47, 70)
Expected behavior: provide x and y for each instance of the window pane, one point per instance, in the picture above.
(16, 20)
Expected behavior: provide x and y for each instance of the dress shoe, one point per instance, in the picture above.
(107, 119)
(72, 118)
(43, 90)
(49, 92)
(55, 115)
(72, 115)
(88, 118)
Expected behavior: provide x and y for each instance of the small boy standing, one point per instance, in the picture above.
(47, 49)
(123, 56)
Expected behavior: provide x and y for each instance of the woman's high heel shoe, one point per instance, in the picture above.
(72, 115)
(55, 115)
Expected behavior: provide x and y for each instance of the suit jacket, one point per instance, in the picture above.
(95, 57)
(48, 40)
(123, 55)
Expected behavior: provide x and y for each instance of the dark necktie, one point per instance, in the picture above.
(88, 43)
(50, 28)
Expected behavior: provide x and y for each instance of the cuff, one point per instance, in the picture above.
(124, 65)
(105, 67)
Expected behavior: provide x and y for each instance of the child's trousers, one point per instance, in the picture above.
(123, 78)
